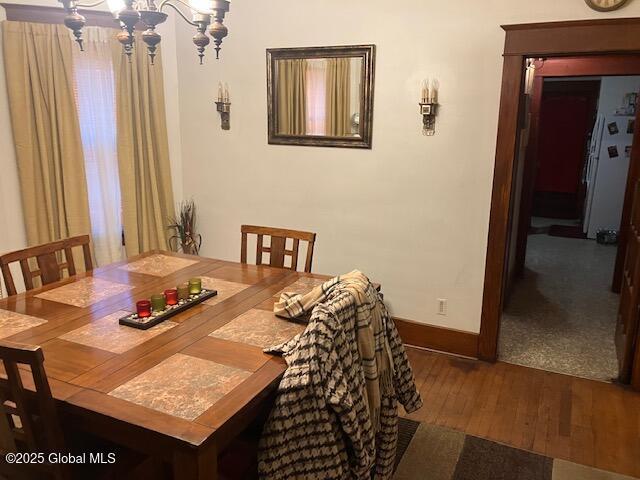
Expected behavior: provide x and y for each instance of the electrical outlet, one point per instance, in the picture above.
(442, 306)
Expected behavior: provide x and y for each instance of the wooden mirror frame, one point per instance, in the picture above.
(367, 53)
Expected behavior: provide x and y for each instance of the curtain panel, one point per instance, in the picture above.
(291, 96)
(143, 150)
(338, 118)
(39, 71)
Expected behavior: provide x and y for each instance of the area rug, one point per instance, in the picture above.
(436, 453)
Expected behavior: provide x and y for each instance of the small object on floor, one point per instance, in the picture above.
(607, 237)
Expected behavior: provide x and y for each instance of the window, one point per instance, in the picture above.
(95, 99)
(316, 96)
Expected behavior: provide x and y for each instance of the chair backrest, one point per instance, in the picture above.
(48, 258)
(28, 417)
(277, 249)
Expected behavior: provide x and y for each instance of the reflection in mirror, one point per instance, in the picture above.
(319, 96)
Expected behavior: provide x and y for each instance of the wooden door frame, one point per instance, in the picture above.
(555, 39)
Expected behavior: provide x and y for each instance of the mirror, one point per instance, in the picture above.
(321, 96)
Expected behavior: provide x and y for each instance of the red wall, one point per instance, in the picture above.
(564, 126)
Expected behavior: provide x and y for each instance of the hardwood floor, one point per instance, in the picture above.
(583, 421)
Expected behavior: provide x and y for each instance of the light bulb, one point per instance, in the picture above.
(201, 6)
(116, 6)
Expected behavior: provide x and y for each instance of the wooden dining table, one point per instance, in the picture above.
(180, 391)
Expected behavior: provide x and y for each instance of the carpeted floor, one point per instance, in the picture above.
(438, 453)
(561, 316)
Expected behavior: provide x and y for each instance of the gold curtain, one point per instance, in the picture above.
(291, 96)
(143, 150)
(338, 118)
(38, 66)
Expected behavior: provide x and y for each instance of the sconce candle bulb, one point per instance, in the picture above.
(220, 94)
(223, 106)
(429, 106)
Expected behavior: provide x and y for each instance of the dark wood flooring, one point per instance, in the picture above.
(583, 421)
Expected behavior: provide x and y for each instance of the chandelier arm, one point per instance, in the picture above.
(169, 4)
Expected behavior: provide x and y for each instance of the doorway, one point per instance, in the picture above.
(608, 40)
(560, 313)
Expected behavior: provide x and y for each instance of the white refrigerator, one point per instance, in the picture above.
(605, 172)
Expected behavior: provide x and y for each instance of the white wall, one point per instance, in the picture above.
(12, 230)
(172, 106)
(611, 177)
(412, 212)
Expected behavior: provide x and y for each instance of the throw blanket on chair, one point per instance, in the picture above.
(335, 415)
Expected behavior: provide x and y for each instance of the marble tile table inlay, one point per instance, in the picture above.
(84, 292)
(12, 323)
(158, 265)
(224, 288)
(260, 328)
(107, 334)
(302, 286)
(182, 386)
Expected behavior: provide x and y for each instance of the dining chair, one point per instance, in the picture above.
(47, 257)
(28, 417)
(277, 249)
(29, 424)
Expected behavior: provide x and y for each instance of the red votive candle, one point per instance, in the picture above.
(144, 308)
(172, 296)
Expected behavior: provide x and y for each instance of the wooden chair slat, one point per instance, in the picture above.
(276, 257)
(88, 260)
(26, 273)
(277, 249)
(10, 408)
(69, 263)
(8, 280)
(49, 269)
(243, 248)
(260, 249)
(49, 261)
(309, 260)
(294, 253)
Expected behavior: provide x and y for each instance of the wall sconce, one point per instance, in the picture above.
(223, 106)
(429, 107)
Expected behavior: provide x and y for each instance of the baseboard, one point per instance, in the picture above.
(438, 338)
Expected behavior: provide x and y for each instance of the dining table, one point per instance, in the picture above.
(180, 391)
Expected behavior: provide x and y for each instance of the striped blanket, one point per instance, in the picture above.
(375, 355)
(323, 424)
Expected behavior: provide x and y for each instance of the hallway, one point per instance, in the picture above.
(561, 316)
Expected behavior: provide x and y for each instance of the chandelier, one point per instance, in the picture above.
(134, 14)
